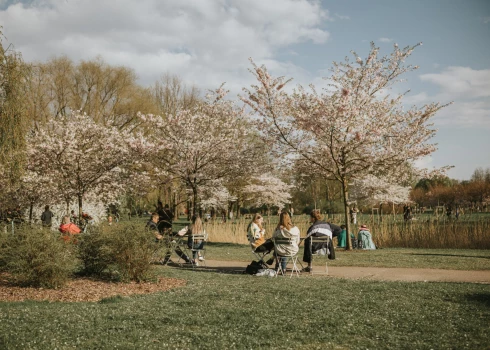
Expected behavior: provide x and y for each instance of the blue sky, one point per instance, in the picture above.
(207, 42)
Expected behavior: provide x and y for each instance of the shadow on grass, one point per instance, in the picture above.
(226, 245)
(232, 270)
(453, 255)
(480, 298)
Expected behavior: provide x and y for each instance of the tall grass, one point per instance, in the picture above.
(390, 232)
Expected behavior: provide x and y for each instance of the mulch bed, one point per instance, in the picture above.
(83, 289)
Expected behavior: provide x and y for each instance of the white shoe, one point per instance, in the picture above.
(196, 263)
(201, 258)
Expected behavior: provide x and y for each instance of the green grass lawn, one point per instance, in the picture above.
(226, 311)
(457, 259)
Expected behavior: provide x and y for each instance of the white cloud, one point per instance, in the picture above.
(486, 19)
(470, 91)
(385, 40)
(341, 16)
(458, 82)
(205, 42)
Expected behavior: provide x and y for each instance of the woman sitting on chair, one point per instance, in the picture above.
(256, 233)
(285, 229)
(319, 228)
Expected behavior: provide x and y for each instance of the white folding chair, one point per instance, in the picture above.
(326, 243)
(293, 258)
(197, 240)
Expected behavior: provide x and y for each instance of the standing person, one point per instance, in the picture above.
(353, 214)
(364, 238)
(286, 229)
(73, 216)
(319, 228)
(196, 228)
(47, 217)
(291, 211)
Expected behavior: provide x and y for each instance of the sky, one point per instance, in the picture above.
(208, 42)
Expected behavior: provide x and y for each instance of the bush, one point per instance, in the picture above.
(95, 251)
(133, 248)
(37, 257)
(125, 251)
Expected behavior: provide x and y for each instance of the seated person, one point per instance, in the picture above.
(152, 226)
(256, 237)
(364, 239)
(196, 229)
(286, 229)
(317, 229)
(341, 238)
(68, 229)
(165, 217)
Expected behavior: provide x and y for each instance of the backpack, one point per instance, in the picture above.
(254, 267)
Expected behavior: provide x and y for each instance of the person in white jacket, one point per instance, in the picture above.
(286, 229)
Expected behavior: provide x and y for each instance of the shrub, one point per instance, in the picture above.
(124, 251)
(38, 258)
(133, 249)
(95, 251)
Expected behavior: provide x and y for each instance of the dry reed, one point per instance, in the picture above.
(391, 232)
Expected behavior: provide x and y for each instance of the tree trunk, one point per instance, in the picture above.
(238, 208)
(80, 206)
(346, 214)
(31, 207)
(194, 200)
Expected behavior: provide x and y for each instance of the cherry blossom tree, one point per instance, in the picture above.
(353, 128)
(268, 190)
(378, 190)
(83, 158)
(212, 141)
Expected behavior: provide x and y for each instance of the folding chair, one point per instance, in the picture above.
(289, 258)
(196, 241)
(257, 255)
(327, 245)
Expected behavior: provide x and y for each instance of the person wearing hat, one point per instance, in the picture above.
(364, 238)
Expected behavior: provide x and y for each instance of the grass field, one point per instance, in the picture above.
(225, 311)
(235, 311)
(452, 259)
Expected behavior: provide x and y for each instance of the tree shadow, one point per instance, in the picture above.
(480, 298)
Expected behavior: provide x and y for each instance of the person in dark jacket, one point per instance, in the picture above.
(319, 228)
(47, 217)
(165, 217)
(152, 226)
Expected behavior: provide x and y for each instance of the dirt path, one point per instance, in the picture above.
(376, 273)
